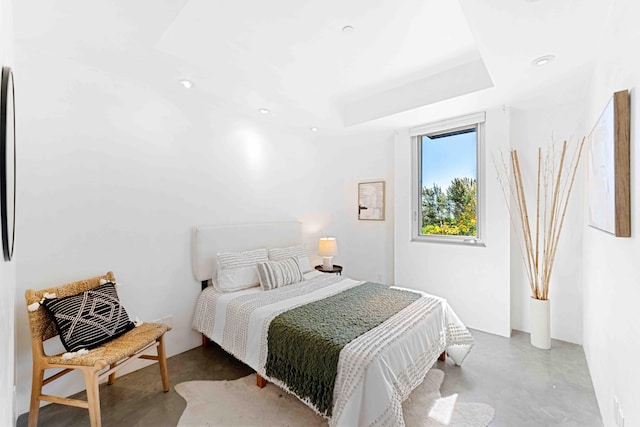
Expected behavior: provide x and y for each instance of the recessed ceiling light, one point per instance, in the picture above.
(347, 29)
(264, 111)
(543, 60)
(314, 129)
(186, 83)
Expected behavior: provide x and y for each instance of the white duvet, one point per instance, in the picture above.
(376, 371)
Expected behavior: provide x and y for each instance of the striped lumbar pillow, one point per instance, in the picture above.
(297, 251)
(237, 270)
(275, 274)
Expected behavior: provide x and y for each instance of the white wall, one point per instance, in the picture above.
(611, 270)
(7, 337)
(114, 174)
(538, 127)
(7, 269)
(365, 247)
(474, 280)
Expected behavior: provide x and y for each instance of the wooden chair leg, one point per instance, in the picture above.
(112, 376)
(162, 361)
(93, 397)
(36, 391)
(260, 381)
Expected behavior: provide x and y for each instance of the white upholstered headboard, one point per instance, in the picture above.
(208, 240)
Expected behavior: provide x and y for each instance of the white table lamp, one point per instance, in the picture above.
(327, 249)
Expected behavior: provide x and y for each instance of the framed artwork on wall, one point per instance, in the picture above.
(608, 180)
(371, 201)
(7, 162)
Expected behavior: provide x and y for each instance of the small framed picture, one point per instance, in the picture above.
(371, 201)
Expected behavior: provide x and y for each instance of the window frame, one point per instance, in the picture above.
(443, 127)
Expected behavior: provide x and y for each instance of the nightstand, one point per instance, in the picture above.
(337, 269)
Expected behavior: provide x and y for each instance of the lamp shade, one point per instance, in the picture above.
(328, 247)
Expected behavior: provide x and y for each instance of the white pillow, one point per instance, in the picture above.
(275, 274)
(297, 251)
(237, 270)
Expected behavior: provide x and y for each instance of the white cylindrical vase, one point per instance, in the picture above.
(540, 324)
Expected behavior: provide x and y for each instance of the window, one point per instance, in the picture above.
(447, 181)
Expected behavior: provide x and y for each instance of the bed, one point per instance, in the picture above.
(364, 380)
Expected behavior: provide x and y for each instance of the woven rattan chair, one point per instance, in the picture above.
(112, 355)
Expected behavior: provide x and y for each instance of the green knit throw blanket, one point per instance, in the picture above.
(304, 343)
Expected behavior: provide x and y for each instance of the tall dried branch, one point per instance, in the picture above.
(554, 185)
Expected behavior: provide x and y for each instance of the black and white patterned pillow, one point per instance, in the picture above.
(89, 319)
(275, 274)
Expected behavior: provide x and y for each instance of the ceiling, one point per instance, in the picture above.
(403, 61)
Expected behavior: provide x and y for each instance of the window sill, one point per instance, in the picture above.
(470, 242)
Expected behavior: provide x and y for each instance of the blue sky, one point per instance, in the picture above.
(446, 158)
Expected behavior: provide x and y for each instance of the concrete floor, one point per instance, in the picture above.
(526, 386)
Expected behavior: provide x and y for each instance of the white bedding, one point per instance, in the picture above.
(376, 371)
